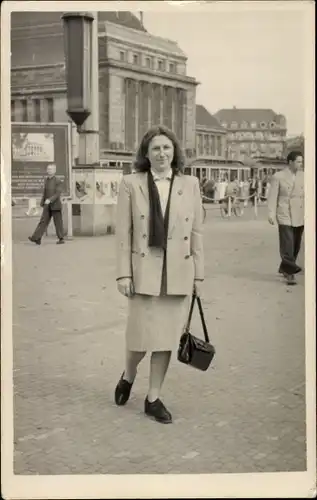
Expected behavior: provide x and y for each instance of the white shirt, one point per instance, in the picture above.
(163, 187)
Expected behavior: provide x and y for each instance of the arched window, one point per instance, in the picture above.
(263, 125)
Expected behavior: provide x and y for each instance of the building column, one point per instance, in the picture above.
(185, 117)
(173, 110)
(149, 94)
(30, 110)
(137, 104)
(161, 94)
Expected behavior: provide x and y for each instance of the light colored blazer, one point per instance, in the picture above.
(184, 254)
(286, 198)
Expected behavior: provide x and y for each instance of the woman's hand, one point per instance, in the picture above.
(125, 287)
(197, 287)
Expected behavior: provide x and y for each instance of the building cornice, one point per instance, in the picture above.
(256, 141)
(206, 130)
(124, 66)
(256, 129)
(33, 91)
(37, 66)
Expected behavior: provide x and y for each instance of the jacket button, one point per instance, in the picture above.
(187, 256)
(187, 219)
(142, 216)
(186, 238)
(142, 254)
(144, 236)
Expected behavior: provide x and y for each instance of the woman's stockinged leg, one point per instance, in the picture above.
(132, 360)
(160, 361)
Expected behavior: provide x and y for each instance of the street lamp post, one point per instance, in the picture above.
(82, 77)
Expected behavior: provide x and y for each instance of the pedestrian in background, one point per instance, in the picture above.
(254, 186)
(159, 260)
(286, 206)
(52, 207)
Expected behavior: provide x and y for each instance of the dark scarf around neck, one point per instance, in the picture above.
(158, 225)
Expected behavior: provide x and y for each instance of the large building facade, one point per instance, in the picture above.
(253, 133)
(142, 80)
(211, 137)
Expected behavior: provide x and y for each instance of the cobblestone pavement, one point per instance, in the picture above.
(247, 414)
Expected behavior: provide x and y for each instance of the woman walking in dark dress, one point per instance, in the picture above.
(159, 260)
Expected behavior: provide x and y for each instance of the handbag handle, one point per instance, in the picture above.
(202, 317)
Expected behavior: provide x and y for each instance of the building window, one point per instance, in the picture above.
(263, 125)
(148, 62)
(37, 109)
(50, 109)
(122, 55)
(200, 145)
(253, 124)
(234, 125)
(272, 124)
(135, 59)
(206, 145)
(172, 68)
(224, 124)
(160, 65)
(219, 148)
(212, 145)
(13, 111)
(24, 105)
(244, 125)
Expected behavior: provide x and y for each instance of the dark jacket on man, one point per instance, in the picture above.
(52, 191)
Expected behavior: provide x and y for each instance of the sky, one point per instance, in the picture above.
(247, 59)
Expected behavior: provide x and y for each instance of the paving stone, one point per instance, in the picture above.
(245, 414)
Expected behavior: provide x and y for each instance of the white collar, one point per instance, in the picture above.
(167, 176)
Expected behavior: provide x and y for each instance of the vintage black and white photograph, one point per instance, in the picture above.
(157, 174)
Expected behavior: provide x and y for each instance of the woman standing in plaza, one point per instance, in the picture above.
(159, 260)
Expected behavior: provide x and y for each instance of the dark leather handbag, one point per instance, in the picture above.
(193, 351)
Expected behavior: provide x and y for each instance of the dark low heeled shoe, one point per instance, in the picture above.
(157, 411)
(122, 391)
(38, 242)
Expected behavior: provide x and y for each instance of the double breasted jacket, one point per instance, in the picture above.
(184, 253)
(287, 197)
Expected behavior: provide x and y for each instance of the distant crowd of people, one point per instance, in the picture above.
(216, 190)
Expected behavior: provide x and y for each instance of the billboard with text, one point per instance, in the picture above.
(34, 147)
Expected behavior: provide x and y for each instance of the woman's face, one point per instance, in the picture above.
(160, 153)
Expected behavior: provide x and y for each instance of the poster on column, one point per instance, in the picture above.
(34, 147)
(100, 187)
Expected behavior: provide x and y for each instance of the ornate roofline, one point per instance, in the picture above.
(143, 46)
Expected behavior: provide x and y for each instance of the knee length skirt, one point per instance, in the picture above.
(156, 323)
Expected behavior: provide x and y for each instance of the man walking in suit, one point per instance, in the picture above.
(286, 206)
(52, 207)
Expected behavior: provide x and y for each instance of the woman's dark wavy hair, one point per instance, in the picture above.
(292, 155)
(142, 163)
